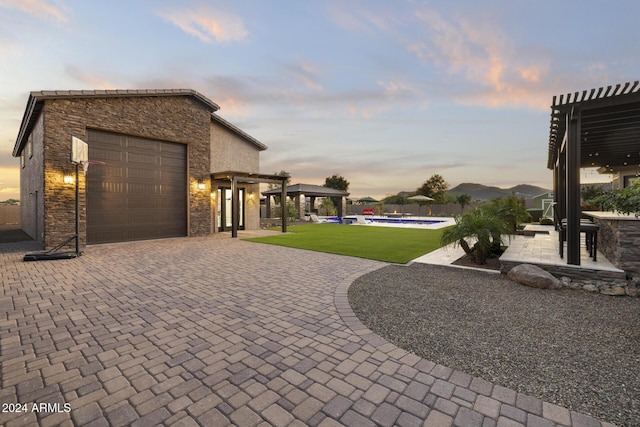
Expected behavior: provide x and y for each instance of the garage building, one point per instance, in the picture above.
(154, 151)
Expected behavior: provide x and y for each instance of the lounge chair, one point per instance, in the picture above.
(314, 218)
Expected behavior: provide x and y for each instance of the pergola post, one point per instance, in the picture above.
(234, 207)
(267, 206)
(283, 205)
(573, 188)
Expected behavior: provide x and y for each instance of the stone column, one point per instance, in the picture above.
(301, 204)
(267, 206)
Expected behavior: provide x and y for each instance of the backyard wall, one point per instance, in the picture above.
(9, 214)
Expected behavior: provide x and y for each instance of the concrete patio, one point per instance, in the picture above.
(217, 331)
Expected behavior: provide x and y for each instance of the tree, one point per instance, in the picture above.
(282, 173)
(463, 200)
(336, 182)
(626, 200)
(328, 206)
(591, 192)
(511, 209)
(481, 224)
(435, 187)
(398, 199)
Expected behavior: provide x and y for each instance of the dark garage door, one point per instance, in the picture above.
(141, 191)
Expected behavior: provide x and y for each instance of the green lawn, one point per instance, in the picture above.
(397, 245)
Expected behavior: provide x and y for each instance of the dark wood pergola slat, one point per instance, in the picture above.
(593, 128)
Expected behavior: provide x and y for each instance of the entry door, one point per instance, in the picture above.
(224, 209)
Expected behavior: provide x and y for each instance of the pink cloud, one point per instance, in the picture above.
(47, 10)
(483, 55)
(208, 24)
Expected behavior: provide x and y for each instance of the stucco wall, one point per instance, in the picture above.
(171, 118)
(229, 151)
(232, 152)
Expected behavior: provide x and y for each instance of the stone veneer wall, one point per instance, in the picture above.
(179, 119)
(619, 241)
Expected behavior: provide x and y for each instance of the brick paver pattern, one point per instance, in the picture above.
(217, 331)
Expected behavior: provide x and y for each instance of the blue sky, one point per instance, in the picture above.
(384, 93)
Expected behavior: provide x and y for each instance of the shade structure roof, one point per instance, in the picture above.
(368, 199)
(308, 190)
(610, 126)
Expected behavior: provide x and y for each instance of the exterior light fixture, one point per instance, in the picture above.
(250, 196)
(68, 179)
(201, 185)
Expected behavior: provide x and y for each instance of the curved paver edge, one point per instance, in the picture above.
(547, 411)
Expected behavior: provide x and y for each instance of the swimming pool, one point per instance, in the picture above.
(385, 221)
(415, 221)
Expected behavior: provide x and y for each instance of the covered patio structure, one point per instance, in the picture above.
(299, 193)
(599, 128)
(236, 177)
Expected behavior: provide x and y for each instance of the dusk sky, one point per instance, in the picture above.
(384, 93)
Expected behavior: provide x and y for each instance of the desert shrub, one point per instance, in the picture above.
(546, 221)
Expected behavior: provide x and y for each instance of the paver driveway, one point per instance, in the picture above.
(216, 331)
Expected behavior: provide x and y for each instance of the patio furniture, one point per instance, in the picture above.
(591, 236)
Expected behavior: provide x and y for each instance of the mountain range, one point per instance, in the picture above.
(484, 192)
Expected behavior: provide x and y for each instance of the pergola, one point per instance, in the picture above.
(298, 191)
(598, 128)
(235, 177)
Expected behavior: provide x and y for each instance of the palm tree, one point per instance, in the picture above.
(463, 200)
(479, 224)
(328, 206)
(511, 210)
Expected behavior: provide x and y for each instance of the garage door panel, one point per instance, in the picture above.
(142, 145)
(176, 148)
(171, 162)
(141, 191)
(142, 159)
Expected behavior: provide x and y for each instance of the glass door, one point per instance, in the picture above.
(223, 205)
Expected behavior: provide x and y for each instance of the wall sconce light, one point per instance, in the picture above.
(201, 185)
(68, 179)
(213, 195)
(250, 196)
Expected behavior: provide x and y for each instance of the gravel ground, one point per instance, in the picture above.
(572, 348)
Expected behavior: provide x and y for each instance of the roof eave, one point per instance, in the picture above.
(37, 98)
(25, 125)
(238, 131)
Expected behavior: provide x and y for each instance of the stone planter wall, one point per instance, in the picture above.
(619, 241)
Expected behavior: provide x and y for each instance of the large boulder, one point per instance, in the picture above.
(534, 276)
